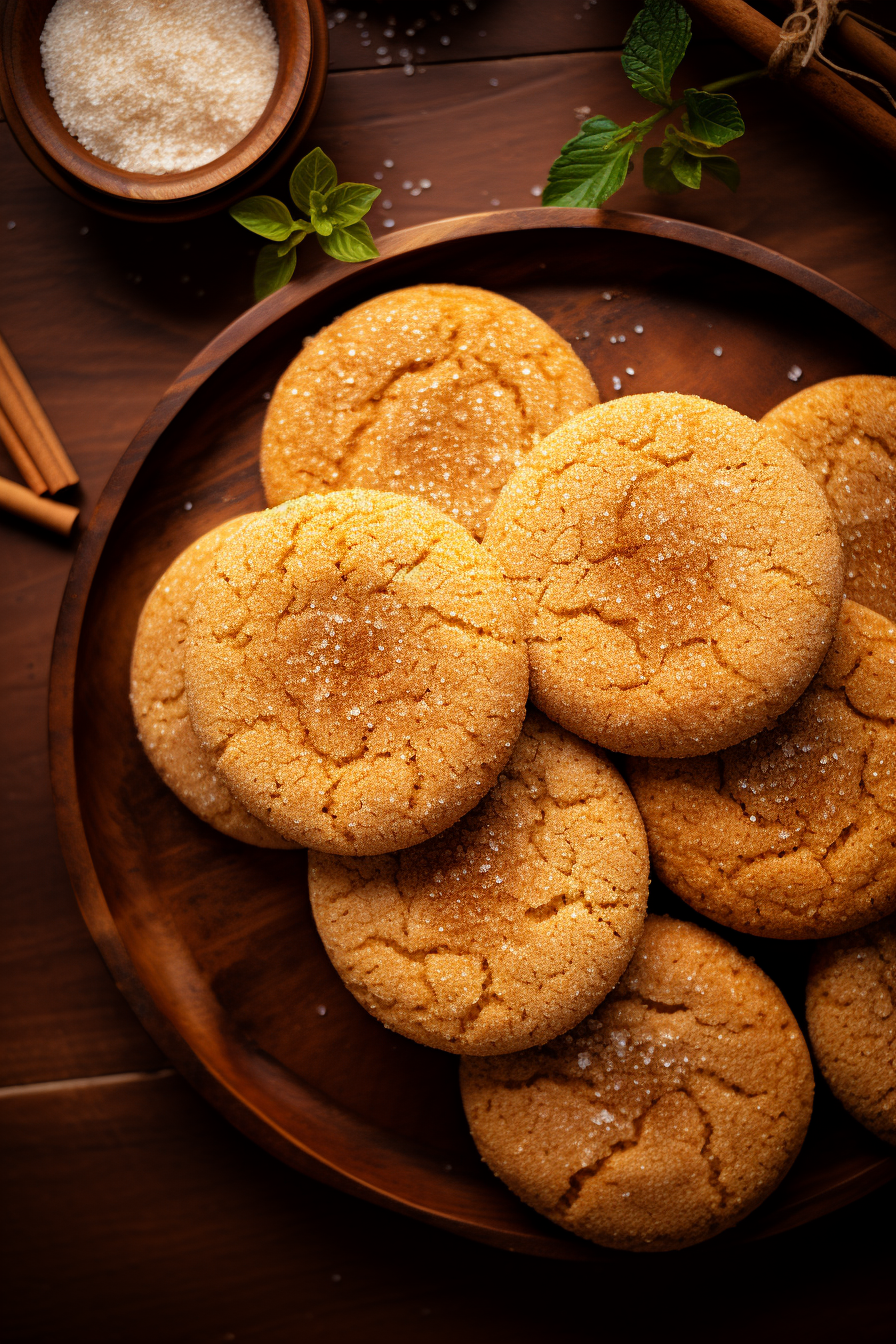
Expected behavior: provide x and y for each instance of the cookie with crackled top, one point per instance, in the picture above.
(437, 391)
(678, 572)
(159, 702)
(851, 1016)
(844, 433)
(666, 1116)
(355, 667)
(791, 834)
(511, 926)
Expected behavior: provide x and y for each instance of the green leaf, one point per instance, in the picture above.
(353, 243)
(313, 173)
(272, 271)
(657, 175)
(264, 215)
(349, 202)
(687, 169)
(725, 169)
(591, 166)
(654, 46)
(713, 118)
(319, 213)
(299, 236)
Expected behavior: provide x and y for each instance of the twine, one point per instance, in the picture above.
(802, 35)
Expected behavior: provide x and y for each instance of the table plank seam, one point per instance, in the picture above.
(97, 1080)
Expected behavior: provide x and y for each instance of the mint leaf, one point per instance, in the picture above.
(264, 215)
(352, 243)
(725, 169)
(349, 202)
(591, 166)
(319, 211)
(687, 169)
(272, 271)
(657, 174)
(313, 173)
(713, 118)
(654, 46)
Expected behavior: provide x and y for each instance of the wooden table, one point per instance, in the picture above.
(132, 1212)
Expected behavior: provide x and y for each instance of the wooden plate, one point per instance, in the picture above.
(212, 942)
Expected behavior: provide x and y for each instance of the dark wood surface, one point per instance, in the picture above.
(135, 1213)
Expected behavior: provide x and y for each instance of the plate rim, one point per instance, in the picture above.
(237, 1106)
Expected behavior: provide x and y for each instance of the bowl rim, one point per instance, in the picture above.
(67, 153)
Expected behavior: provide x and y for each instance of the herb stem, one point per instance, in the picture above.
(728, 83)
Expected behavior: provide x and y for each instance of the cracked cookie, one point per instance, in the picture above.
(437, 391)
(509, 927)
(160, 705)
(355, 666)
(791, 834)
(844, 432)
(851, 1015)
(668, 1115)
(678, 572)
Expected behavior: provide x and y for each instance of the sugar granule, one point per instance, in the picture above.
(159, 87)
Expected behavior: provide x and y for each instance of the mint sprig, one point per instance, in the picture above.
(595, 163)
(335, 213)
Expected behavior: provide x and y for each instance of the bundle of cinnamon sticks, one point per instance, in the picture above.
(759, 36)
(34, 447)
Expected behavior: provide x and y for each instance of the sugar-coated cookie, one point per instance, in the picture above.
(437, 391)
(851, 1015)
(668, 1115)
(791, 834)
(844, 432)
(356, 667)
(160, 706)
(678, 573)
(511, 926)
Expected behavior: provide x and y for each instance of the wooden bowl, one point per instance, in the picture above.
(302, 36)
(213, 942)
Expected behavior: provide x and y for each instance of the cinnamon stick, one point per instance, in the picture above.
(877, 54)
(29, 420)
(759, 36)
(19, 454)
(58, 517)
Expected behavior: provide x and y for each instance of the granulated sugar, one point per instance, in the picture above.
(159, 86)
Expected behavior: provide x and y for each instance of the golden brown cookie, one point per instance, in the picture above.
(792, 834)
(437, 391)
(356, 668)
(678, 573)
(668, 1115)
(511, 926)
(160, 706)
(844, 432)
(851, 1015)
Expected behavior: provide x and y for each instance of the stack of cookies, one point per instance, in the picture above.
(458, 527)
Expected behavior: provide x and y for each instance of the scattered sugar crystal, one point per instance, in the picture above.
(157, 88)
(425, 183)
(321, 1010)
(639, 330)
(445, 41)
(188, 506)
(617, 384)
(388, 163)
(536, 191)
(10, 224)
(630, 372)
(388, 223)
(717, 349)
(494, 83)
(606, 295)
(794, 373)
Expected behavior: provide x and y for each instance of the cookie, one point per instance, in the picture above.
(792, 834)
(160, 706)
(844, 432)
(511, 926)
(678, 573)
(668, 1115)
(355, 666)
(437, 391)
(851, 1015)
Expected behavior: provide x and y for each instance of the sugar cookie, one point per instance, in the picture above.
(355, 665)
(844, 432)
(511, 926)
(668, 1115)
(437, 391)
(678, 573)
(791, 834)
(160, 706)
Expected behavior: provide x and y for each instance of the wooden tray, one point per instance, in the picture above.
(212, 942)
